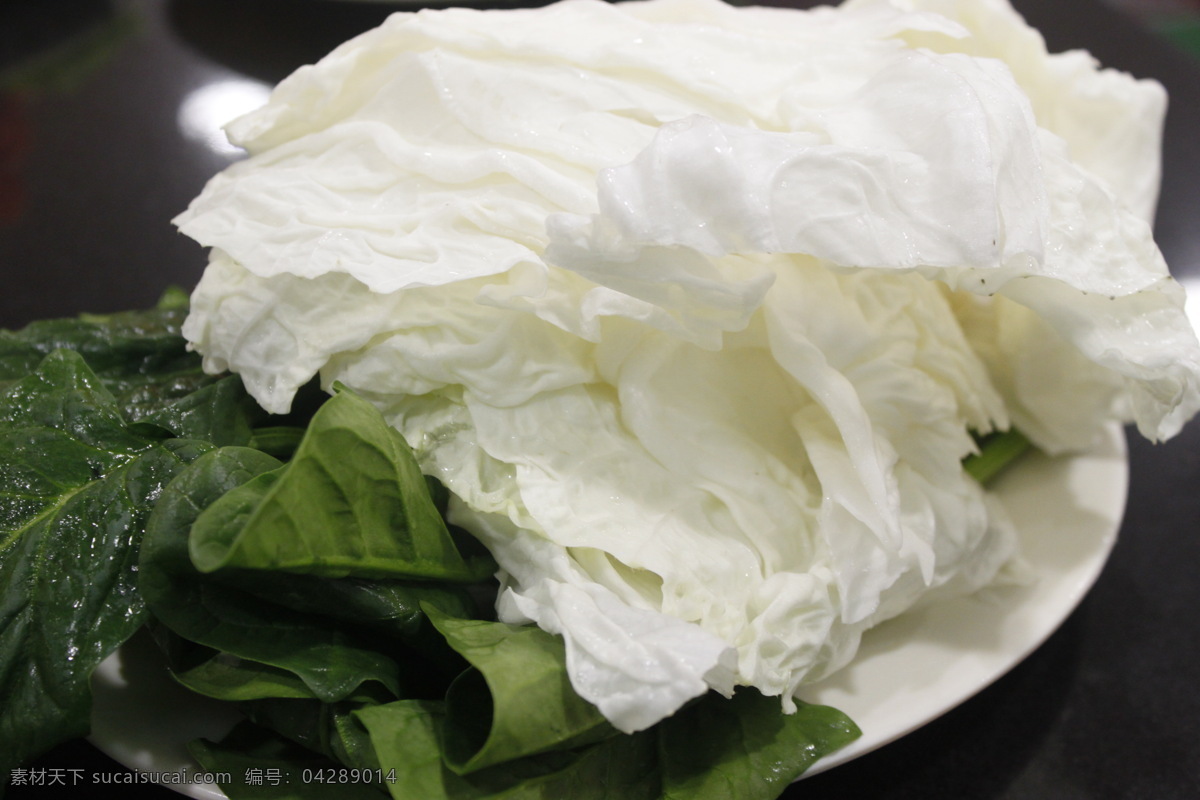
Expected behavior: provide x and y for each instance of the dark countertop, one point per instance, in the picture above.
(94, 162)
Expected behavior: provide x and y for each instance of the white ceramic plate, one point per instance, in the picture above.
(907, 672)
(920, 665)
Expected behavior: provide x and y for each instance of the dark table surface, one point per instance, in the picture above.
(98, 150)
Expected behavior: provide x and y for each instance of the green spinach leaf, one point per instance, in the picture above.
(262, 765)
(330, 729)
(516, 700)
(352, 501)
(76, 489)
(139, 356)
(330, 662)
(745, 747)
(408, 736)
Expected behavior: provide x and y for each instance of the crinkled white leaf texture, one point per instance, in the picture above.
(693, 307)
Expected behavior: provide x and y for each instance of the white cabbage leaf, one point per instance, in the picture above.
(695, 308)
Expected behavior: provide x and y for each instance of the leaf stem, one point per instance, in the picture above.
(280, 441)
(996, 452)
